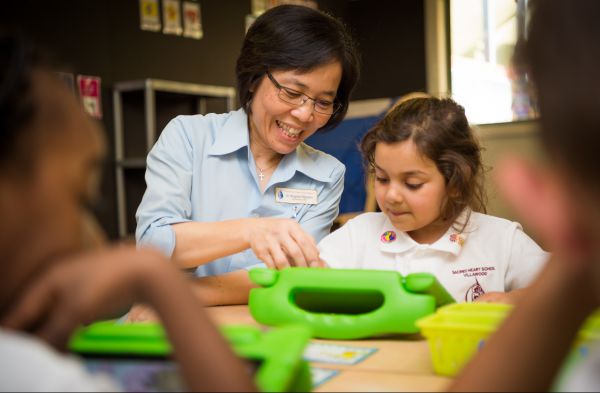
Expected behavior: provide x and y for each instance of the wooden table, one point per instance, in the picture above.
(397, 365)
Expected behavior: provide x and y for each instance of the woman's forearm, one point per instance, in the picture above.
(198, 243)
(227, 289)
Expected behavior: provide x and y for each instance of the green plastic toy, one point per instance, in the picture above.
(344, 303)
(274, 370)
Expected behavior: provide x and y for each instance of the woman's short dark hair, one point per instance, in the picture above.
(441, 132)
(291, 37)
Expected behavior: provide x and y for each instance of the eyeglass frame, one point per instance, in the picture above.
(336, 105)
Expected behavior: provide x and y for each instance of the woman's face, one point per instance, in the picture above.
(279, 126)
(44, 210)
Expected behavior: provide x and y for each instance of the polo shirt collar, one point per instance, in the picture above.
(232, 136)
(395, 241)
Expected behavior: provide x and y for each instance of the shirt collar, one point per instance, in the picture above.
(452, 242)
(304, 160)
(233, 136)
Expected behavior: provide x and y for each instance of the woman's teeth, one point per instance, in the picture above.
(289, 131)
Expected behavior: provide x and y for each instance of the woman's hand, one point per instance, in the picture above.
(281, 242)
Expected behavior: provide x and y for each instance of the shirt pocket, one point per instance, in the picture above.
(278, 210)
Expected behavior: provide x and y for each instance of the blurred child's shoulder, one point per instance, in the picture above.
(28, 364)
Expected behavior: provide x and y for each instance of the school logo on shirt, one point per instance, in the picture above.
(474, 292)
(456, 238)
(388, 236)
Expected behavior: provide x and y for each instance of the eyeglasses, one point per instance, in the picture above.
(296, 98)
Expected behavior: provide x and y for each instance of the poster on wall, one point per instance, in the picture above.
(192, 21)
(258, 7)
(149, 17)
(172, 17)
(89, 93)
(306, 3)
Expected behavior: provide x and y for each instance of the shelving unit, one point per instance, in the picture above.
(141, 107)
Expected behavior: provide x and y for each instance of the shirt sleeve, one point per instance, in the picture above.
(318, 220)
(167, 199)
(525, 260)
(336, 248)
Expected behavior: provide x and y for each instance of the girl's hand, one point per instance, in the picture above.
(500, 297)
(281, 242)
(82, 289)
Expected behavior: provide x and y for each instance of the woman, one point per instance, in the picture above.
(50, 155)
(242, 188)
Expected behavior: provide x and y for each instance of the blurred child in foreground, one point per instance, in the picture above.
(561, 202)
(50, 155)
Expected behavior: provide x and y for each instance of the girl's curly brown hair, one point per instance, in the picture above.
(441, 132)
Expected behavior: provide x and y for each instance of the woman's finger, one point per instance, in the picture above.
(278, 256)
(307, 245)
(294, 252)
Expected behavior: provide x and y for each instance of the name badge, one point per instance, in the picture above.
(292, 195)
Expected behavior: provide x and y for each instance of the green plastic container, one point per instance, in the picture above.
(274, 369)
(455, 333)
(345, 303)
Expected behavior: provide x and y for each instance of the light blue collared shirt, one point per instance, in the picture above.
(202, 169)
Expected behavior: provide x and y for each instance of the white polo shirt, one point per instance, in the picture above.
(491, 254)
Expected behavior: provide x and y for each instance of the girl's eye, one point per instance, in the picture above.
(382, 180)
(413, 186)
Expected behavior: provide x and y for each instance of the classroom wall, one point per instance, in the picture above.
(500, 141)
(102, 38)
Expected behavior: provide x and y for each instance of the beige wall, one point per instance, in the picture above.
(498, 141)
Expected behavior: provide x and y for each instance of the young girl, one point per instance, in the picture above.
(428, 185)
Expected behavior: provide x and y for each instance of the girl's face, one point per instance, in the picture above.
(44, 213)
(279, 126)
(410, 190)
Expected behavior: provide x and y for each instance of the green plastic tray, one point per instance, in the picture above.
(276, 370)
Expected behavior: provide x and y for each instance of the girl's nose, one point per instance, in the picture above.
(393, 194)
